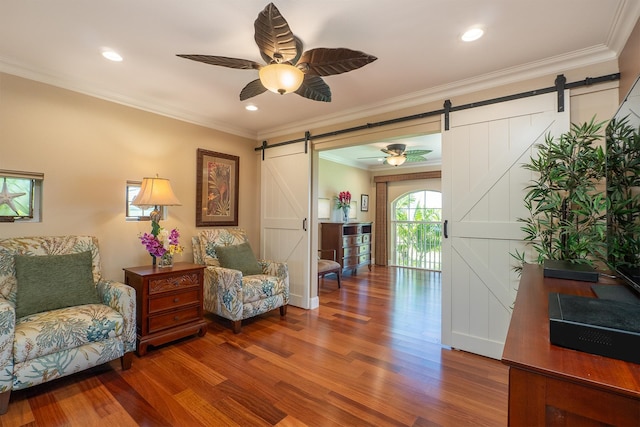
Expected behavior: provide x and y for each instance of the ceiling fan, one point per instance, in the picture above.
(288, 68)
(398, 154)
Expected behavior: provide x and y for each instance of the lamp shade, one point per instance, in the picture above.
(396, 160)
(155, 192)
(281, 78)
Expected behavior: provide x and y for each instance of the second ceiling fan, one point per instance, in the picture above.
(398, 155)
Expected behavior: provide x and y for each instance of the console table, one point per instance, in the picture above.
(551, 385)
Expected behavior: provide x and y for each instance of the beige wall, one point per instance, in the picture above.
(335, 177)
(630, 62)
(88, 148)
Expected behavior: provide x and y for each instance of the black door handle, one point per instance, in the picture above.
(446, 233)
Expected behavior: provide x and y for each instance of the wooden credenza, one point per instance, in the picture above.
(168, 302)
(351, 241)
(551, 385)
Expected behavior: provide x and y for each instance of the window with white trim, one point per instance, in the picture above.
(136, 213)
(20, 196)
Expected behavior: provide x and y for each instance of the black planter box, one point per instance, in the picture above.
(569, 270)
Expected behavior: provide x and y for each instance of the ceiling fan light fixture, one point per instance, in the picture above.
(396, 160)
(281, 78)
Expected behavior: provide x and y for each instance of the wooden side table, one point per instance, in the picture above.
(556, 386)
(168, 302)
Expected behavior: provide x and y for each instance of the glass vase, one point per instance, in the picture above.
(165, 260)
(345, 213)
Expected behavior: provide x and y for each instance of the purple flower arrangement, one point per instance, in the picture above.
(165, 241)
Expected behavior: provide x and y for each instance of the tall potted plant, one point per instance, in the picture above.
(565, 200)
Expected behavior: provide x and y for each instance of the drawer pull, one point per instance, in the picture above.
(176, 299)
(176, 317)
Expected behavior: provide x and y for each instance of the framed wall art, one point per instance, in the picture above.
(217, 185)
(364, 202)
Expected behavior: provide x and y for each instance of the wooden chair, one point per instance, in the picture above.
(328, 265)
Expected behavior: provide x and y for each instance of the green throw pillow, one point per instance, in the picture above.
(239, 257)
(49, 282)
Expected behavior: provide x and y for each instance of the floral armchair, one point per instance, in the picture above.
(227, 291)
(46, 345)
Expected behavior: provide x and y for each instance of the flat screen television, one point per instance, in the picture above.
(623, 190)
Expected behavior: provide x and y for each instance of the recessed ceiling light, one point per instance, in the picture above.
(251, 107)
(472, 34)
(111, 55)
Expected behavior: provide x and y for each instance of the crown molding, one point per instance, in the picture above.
(148, 105)
(559, 64)
(623, 24)
(553, 65)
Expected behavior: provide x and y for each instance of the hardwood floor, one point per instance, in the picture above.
(370, 355)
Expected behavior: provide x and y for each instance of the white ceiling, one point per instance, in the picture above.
(417, 44)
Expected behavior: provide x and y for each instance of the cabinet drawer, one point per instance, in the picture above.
(364, 259)
(366, 238)
(172, 283)
(174, 318)
(351, 241)
(364, 249)
(172, 301)
(353, 251)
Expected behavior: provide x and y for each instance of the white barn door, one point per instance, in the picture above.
(285, 214)
(483, 190)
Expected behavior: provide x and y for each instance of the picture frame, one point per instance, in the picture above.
(364, 203)
(217, 185)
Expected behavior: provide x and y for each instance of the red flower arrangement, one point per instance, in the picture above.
(343, 200)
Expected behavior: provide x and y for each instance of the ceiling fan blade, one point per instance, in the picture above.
(314, 88)
(299, 48)
(415, 158)
(223, 61)
(274, 37)
(252, 89)
(326, 61)
(417, 152)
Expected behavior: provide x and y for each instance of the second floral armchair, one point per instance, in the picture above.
(230, 293)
